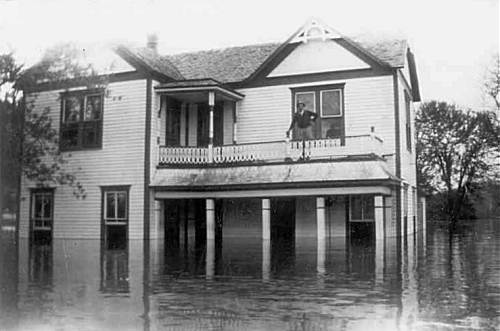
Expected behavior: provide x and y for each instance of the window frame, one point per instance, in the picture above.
(44, 192)
(115, 190)
(82, 124)
(317, 89)
(363, 198)
(341, 103)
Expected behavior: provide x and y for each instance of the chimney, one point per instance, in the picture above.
(152, 42)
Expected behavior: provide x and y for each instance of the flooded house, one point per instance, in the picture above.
(193, 147)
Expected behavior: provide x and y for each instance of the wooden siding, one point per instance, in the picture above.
(119, 162)
(265, 112)
(228, 122)
(408, 158)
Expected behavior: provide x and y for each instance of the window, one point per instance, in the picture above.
(362, 208)
(115, 207)
(115, 213)
(81, 120)
(327, 102)
(408, 120)
(42, 209)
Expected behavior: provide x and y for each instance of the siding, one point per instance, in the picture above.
(265, 112)
(119, 162)
(408, 158)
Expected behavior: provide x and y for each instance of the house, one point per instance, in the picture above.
(194, 144)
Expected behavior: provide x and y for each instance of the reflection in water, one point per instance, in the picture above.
(246, 283)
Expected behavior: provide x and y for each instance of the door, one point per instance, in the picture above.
(173, 134)
(42, 211)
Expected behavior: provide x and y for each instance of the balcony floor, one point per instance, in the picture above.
(297, 175)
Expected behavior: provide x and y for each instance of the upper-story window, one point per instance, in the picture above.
(81, 120)
(326, 101)
(408, 120)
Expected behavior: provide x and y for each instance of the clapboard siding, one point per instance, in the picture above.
(408, 159)
(119, 162)
(265, 112)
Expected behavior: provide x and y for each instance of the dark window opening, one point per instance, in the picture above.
(42, 211)
(408, 120)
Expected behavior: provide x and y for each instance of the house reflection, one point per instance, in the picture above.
(114, 270)
(40, 269)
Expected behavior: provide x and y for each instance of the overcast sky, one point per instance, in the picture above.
(453, 40)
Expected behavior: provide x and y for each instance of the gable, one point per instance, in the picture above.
(318, 56)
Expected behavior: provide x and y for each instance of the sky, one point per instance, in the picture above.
(453, 40)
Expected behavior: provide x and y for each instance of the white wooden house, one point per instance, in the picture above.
(182, 143)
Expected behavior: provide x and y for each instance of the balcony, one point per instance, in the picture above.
(272, 152)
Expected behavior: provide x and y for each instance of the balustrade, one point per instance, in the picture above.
(276, 151)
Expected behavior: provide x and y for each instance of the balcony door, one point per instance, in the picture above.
(173, 125)
(203, 128)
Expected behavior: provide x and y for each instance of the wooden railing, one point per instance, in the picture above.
(275, 151)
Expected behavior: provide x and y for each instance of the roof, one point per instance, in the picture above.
(235, 64)
(277, 174)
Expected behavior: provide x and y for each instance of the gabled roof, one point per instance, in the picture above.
(235, 64)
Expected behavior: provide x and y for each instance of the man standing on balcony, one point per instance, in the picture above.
(304, 120)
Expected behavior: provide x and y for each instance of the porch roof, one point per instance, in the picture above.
(197, 86)
(269, 176)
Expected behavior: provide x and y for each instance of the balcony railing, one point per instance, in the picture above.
(275, 151)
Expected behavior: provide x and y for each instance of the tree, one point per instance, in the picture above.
(30, 143)
(453, 149)
(491, 84)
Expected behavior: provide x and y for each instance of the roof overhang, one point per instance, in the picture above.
(196, 89)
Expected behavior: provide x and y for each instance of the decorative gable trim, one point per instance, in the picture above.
(314, 29)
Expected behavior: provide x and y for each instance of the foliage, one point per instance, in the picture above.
(453, 151)
(491, 84)
(31, 143)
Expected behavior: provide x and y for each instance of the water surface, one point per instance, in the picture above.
(433, 282)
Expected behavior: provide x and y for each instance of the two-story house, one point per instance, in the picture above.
(195, 144)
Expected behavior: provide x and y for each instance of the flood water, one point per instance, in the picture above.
(430, 282)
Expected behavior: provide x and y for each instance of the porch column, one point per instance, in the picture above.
(379, 217)
(210, 259)
(379, 237)
(210, 209)
(211, 104)
(320, 218)
(266, 219)
(266, 259)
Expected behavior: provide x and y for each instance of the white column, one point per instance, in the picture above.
(320, 217)
(210, 259)
(266, 219)
(266, 259)
(379, 217)
(321, 256)
(211, 104)
(210, 209)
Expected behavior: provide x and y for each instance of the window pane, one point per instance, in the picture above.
(307, 98)
(69, 135)
(37, 208)
(331, 127)
(368, 208)
(356, 205)
(93, 108)
(47, 205)
(90, 134)
(110, 205)
(330, 103)
(72, 107)
(122, 205)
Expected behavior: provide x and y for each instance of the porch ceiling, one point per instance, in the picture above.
(293, 175)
